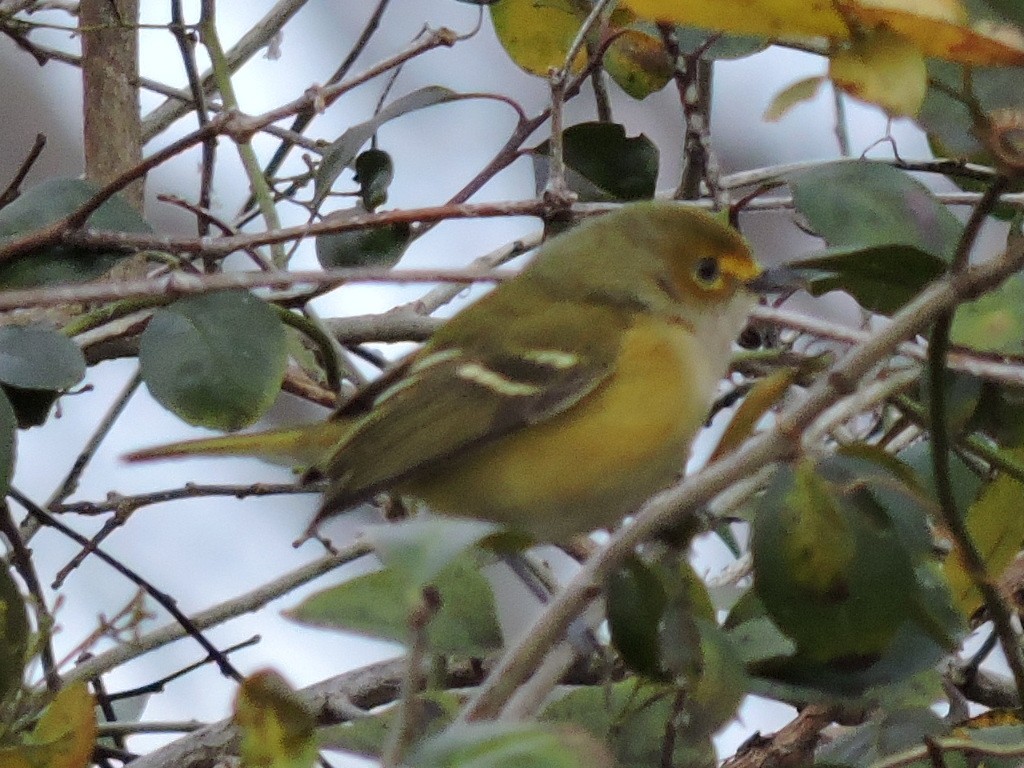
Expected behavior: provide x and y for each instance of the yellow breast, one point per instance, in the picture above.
(597, 461)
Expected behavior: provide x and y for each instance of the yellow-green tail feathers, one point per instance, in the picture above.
(301, 446)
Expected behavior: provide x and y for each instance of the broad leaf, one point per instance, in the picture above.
(215, 360)
(276, 728)
(51, 201)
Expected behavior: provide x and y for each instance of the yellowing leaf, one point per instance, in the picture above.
(790, 96)
(638, 63)
(764, 394)
(996, 526)
(882, 69)
(537, 33)
(938, 28)
(277, 730)
(63, 737)
(769, 18)
(941, 29)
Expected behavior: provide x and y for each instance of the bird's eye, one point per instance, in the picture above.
(707, 270)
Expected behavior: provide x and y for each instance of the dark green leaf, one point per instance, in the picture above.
(602, 164)
(39, 358)
(379, 604)
(374, 172)
(46, 203)
(215, 360)
(860, 205)
(881, 278)
(8, 442)
(14, 633)
(886, 733)
(635, 601)
(717, 46)
(31, 406)
(379, 246)
(342, 152)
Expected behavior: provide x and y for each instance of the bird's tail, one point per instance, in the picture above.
(300, 447)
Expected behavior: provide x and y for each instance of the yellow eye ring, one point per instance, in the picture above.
(708, 271)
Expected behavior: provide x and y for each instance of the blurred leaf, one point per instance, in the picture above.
(883, 69)
(63, 737)
(758, 639)
(966, 484)
(369, 736)
(635, 601)
(836, 568)
(996, 526)
(537, 36)
(765, 393)
(511, 745)
(885, 734)
(276, 729)
(635, 720)
(717, 692)
(861, 204)
(1000, 414)
(8, 441)
(380, 246)
(994, 322)
(215, 360)
(374, 172)
(793, 94)
(938, 28)
(378, 604)
(47, 203)
(14, 634)
(962, 397)
(343, 151)
(714, 47)
(418, 549)
(602, 164)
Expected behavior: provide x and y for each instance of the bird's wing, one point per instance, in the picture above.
(461, 393)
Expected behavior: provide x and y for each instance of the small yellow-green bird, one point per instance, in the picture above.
(557, 403)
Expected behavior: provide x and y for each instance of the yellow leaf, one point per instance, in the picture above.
(763, 395)
(790, 96)
(940, 28)
(64, 736)
(537, 33)
(996, 526)
(276, 729)
(883, 69)
(768, 18)
(638, 63)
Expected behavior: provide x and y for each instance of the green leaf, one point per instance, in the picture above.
(379, 604)
(418, 549)
(215, 360)
(33, 357)
(14, 634)
(994, 322)
(793, 94)
(634, 719)
(374, 172)
(886, 733)
(635, 600)
(511, 745)
(380, 246)
(51, 201)
(717, 45)
(8, 442)
(369, 736)
(862, 204)
(276, 728)
(602, 164)
(758, 639)
(996, 526)
(343, 151)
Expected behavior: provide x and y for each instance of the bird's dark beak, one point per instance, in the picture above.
(781, 279)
